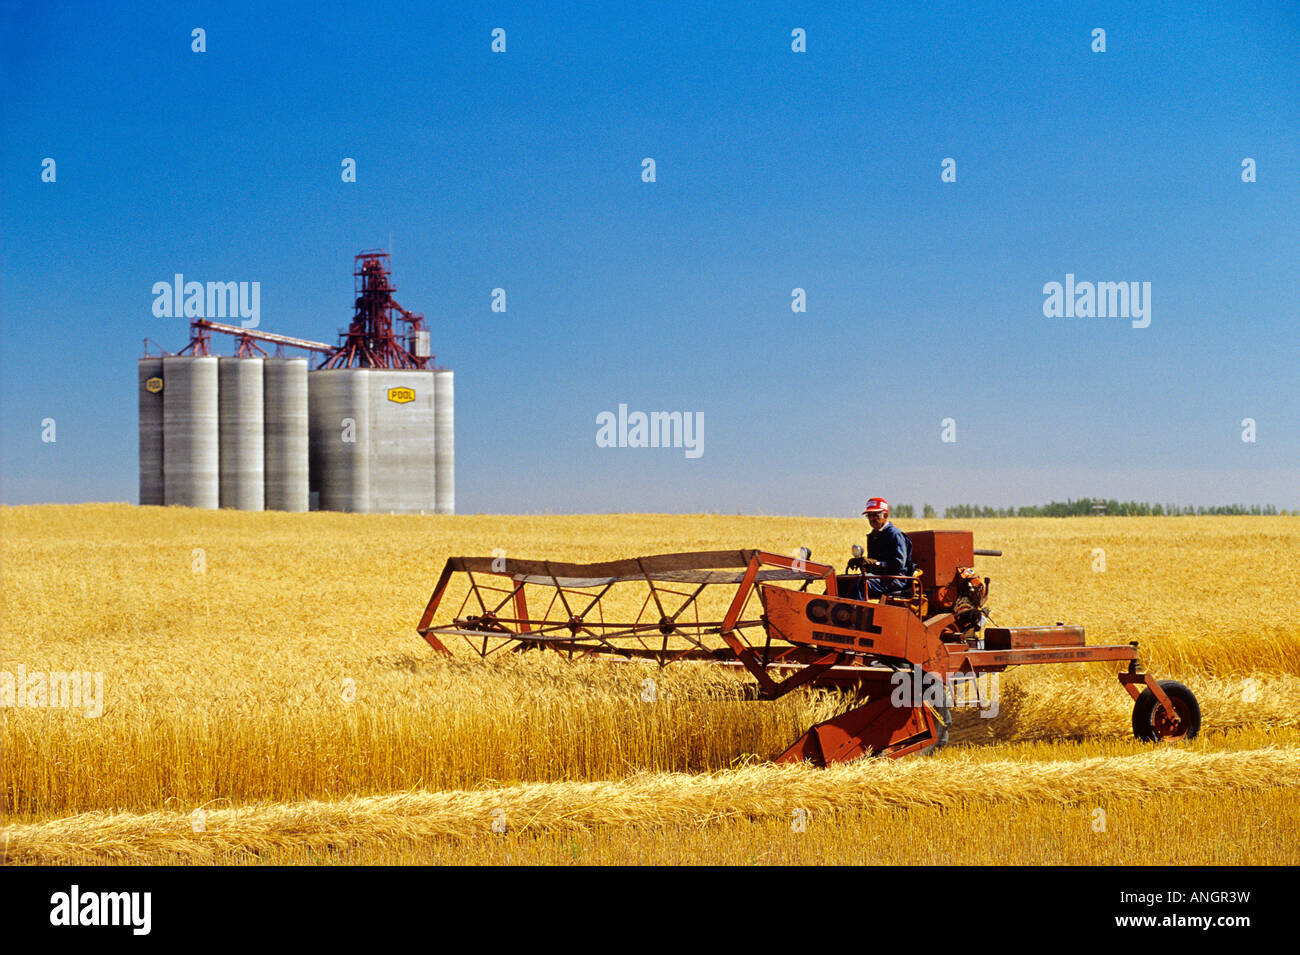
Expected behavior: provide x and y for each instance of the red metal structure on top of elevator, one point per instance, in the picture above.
(246, 341)
(370, 341)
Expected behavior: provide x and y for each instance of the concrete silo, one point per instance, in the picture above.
(190, 435)
(242, 424)
(149, 373)
(286, 433)
(445, 440)
(338, 403)
(403, 470)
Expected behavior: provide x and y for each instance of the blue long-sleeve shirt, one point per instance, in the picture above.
(891, 547)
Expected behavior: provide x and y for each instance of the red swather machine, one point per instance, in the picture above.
(899, 655)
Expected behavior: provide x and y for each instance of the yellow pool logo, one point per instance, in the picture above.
(153, 385)
(401, 395)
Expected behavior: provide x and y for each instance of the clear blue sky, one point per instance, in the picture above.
(775, 170)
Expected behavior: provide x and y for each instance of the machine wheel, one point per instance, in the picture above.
(1150, 722)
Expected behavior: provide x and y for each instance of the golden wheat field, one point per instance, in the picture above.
(265, 698)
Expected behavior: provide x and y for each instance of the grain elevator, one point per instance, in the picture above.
(370, 429)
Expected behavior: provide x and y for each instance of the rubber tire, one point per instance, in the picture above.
(1144, 711)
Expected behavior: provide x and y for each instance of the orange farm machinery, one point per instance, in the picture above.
(783, 620)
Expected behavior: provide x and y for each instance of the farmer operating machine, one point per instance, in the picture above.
(797, 632)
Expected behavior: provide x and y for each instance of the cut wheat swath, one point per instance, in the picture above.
(755, 792)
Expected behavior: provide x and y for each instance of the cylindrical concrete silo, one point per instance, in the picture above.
(338, 403)
(243, 456)
(445, 441)
(150, 374)
(402, 433)
(285, 400)
(190, 443)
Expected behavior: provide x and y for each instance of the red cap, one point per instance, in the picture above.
(876, 504)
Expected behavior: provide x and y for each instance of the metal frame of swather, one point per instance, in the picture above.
(794, 638)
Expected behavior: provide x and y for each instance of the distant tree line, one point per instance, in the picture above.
(1088, 506)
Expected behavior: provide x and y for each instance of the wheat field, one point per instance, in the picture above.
(266, 698)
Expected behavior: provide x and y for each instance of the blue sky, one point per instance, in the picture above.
(775, 170)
